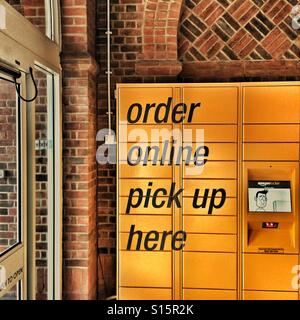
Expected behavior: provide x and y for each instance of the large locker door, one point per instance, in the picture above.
(142, 274)
(210, 256)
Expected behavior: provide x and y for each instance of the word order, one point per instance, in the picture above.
(137, 198)
(162, 112)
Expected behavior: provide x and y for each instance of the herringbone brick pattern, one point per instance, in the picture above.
(238, 30)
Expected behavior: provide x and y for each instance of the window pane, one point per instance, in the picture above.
(8, 167)
(12, 294)
(41, 135)
(34, 11)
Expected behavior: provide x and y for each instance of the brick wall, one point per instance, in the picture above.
(79, 129)
(238, 39)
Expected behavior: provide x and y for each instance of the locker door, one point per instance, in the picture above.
(210, 256)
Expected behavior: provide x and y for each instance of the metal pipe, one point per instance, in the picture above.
(108, 72)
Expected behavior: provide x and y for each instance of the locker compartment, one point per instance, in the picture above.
(269, 272)
(140, 171)
(210, 224)
(271, 151)
(143, 96)
(145, 269)
(211, 243)
(271, 133)
(145, 223)
(210, 270)
(192, 184)
(269, 104)
(212, 133)
(145, 294)
(217, 151)
(144, 133)
(198, 294)
(229, 208)
(127, 184)
(141, 210)
(218, 104)
(270, 295)
(213, 170)
(124, 237)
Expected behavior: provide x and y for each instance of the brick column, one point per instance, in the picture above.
(80, 178)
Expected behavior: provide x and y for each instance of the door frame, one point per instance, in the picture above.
(13, 259)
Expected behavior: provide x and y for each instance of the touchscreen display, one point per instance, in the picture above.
(269, 196)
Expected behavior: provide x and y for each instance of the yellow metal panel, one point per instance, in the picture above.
(145, 269)
(127, 184)
(216, 170)
(211, 243)
(210, 224)
(143, 96)
(229, 208)
(271, 133)
(192, 184)
(197, 294)
(212, 133)
(210, 270)
(270, 295)
(125, 148)
(272, 104)
(145, 223)
(144, 133)
(218, 104)
(127, 171)
(271, 151)
(217, 151)
(145, 294)
(269, 272)
(141, 210)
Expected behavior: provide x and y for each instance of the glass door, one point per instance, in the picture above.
(44, 186)
(12, 191)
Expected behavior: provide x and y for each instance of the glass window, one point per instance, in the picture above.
(9, 193)
(41, 13)
(41, 153)
(44, 182)
(13, 294)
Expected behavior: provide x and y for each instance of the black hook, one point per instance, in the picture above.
(35, 87)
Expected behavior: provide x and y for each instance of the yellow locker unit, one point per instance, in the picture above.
(271, 159)
(245, 249)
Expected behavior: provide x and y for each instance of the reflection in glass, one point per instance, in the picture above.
(8, 167)
(11, 295)
(41, 153)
